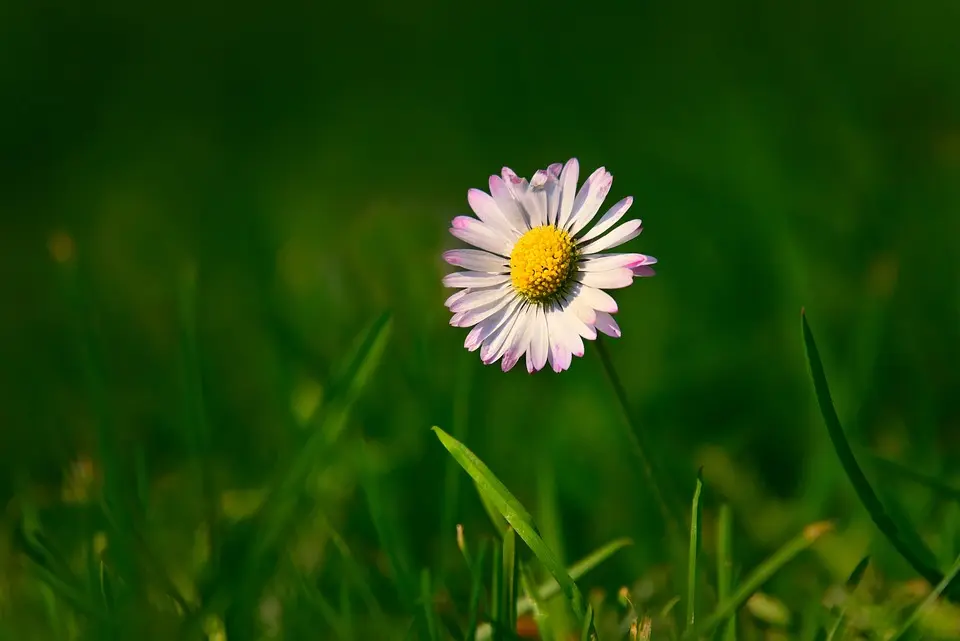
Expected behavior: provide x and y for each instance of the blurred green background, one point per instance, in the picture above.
(304, 160)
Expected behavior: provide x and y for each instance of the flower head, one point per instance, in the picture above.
(535, 283)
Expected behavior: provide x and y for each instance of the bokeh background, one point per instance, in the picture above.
(303, 161)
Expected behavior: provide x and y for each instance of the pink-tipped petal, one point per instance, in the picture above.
(539, 342)
(555, 169)
(472, 231)
(603, 262)
(607, 325)
(476, 260)
(618, 236)
(643, 272)
(508, 204)
(487, 210)
(608, 220)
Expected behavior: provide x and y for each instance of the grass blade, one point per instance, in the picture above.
(509, 593)
(927, 602)
(429, 614)
(589, 631)
(515, 514)
(529, 585)
(550, 588)
(696, 517)
(476, 588)
(851, 584)
(496, 593)
(727, 629)
(725, 609)
(906, 546)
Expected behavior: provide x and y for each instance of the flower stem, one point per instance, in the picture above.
(636, 437)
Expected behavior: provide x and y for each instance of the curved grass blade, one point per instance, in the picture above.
(589, 631)
(515, 514)
(726, 609)
(550, 588)
(696, 517)
(851, 584)
(927, 602)
(529, 585)
(906, 546)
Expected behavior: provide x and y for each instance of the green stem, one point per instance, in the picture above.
(636, 437)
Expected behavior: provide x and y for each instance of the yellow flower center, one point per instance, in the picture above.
(542, 263)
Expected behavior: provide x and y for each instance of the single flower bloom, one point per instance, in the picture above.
(535, 284)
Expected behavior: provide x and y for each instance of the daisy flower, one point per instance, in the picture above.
(535, 283)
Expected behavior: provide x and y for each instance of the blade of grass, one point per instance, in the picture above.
(476, 589)
(588, 633)
(725, 609)
(496, 594)
(430, 615)
(696, 517)
(929, 601)
(727, 629)
(913, 555)
(550, 588)
(509, 594)
(515, 514)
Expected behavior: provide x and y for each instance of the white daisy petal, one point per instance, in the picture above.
(598, 299)
(589, 199)
(476, 260)
(470, 317)
(627, 231)
(496, 343)
(455, 298)
(608, 220)
(609, 279)
(474, 298)
(485, 328)
(519, 342)
(471, 230)
(607, 325)
(564, 341)
(508, 204)
(584, 312)
(539, 342)
(555, 169)
(603, 262)
(474, 279)
(568, 192)
(487, 210)
(574, 318)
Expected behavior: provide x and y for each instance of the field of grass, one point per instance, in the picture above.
(233, 407)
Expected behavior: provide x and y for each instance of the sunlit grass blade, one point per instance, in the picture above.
(496, 518)
(727, 629)
(550, 588)
(696, 518)
(588, 633)
(429, 614)
(725, 609)
(515, 514)
(509, 593)
(928, 601)
(906, 546)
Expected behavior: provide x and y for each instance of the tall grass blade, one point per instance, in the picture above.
(696, 518)
(550, 588)
(725, 609)
(496, 594)
(515, 514)
(849, 586)
(727, 629)
(476, 590)
(913, 554)
(588, 633)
